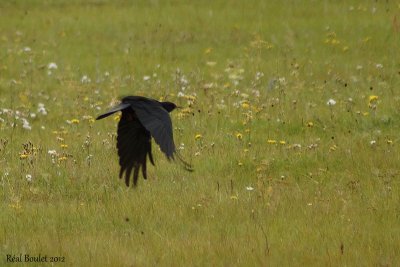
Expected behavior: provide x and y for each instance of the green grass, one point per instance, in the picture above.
(325, 178)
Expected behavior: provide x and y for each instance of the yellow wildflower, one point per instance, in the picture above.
(64, 146)
(239, 136)
(335, 42)
(372, 98)
(271, 141)
(63, 158)
(117, 117)
(245, 105)
(23, 156)
(310, 124)
(282, 142)
(190, 97)
(75, 121)
(16, 205)
(198, 136)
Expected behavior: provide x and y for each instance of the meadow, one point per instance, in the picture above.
(290, 117)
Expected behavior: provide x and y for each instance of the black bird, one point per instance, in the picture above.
(142, 118)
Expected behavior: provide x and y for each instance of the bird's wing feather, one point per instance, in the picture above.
(117, 108)
(133, 144)
(157, 121)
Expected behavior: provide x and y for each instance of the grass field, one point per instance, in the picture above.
(291, 119)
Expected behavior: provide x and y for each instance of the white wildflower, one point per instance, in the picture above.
(181, 146)
(25, 124)
(28, 177)
(85, 79)
(52, 152)
(52, 66)
(41, 109)
(249, 188)
(331, 102)
(296, 146)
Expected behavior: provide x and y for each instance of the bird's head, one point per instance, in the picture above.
(168, 106)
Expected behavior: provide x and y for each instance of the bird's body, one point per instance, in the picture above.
(142, 118)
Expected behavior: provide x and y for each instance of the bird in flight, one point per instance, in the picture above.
(142, 118)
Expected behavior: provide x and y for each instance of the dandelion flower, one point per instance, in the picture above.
(63, 158)
(75, 121)
(245, 105)
(198, 136)
(239, 136)
(373, 98)
(282, 142)
(117, 117)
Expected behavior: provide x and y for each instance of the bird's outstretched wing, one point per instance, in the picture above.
(117, 108)
(157, 121)
(133, 144)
